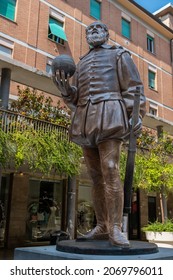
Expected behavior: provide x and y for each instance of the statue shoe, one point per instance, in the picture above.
(98, 233)
(117, 238)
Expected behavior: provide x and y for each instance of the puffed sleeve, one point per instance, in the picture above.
(129, 79)
(72, 95)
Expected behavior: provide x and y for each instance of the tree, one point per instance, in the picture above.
(154, 166)
(38, 106)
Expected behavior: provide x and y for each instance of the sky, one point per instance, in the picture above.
(153, 5)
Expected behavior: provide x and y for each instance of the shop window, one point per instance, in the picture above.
(95, 9)
(44, 210)
(151, 79)
(150, 43)
(126, 28)
(86, 219)
(7, 8)
(56, 31)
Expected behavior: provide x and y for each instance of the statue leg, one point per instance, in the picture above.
(92, 160)
(110, 155)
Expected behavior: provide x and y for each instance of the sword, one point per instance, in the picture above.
(128, 181)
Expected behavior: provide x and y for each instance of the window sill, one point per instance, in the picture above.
(127, 38)
(155, 90)
(99, 19)
(62, 45)
(12, 21)
(153, 53)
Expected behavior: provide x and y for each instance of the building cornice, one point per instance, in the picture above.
(167, 9)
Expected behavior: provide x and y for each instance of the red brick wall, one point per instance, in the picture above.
(31, 27)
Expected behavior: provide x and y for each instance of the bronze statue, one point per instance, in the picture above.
(101, 99)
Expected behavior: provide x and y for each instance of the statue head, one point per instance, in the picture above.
(97, 34)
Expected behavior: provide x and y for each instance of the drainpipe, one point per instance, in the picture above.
(5, 87)
(171, 49)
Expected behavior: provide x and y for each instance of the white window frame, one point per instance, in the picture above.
(61, 18)
(154, 70)
(153, 106)
(49, 63)
(151, 34)
(8, 45)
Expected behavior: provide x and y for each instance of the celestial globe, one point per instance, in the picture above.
(63, 62)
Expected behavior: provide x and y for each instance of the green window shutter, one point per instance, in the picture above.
(95, 9)
(125, 28)
(151, 79)
(150, 43)
(56, 28)
(7, 8)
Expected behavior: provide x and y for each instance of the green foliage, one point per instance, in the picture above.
(159, 227)
(6, 148)
(154, 166)
(39, 106)
(38, 149)
(41, 151)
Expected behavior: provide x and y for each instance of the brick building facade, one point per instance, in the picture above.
(33, 32)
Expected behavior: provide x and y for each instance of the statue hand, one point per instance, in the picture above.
(137, 128)
(62, 82)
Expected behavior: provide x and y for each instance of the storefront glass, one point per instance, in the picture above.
(85, 212)
(44, 210)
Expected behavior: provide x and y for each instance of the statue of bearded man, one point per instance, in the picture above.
(102, 99)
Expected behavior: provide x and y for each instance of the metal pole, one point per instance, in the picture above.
(0, 177)
(71, 206)
(5, 87)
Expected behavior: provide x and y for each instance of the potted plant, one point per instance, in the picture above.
(159, 232)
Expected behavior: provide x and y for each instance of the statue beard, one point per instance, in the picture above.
(96, 40)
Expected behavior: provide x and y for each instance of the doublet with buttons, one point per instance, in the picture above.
(102, 96)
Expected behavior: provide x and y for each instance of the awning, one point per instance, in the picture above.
(57, 31)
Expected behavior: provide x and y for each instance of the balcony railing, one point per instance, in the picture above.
(11, 121)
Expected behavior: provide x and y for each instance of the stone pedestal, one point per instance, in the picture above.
(94, 251)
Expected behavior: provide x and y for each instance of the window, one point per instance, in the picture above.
(48, 66)
(95, 9)
(153, 109)
(6, 46)
(7, 8)
(151, 79)
(126, 28)
(150, 43)
(44, 209)
(56, 31)
(5, 50)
